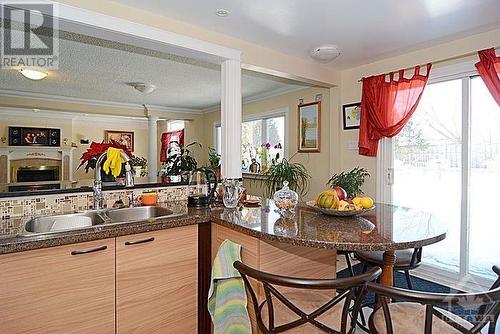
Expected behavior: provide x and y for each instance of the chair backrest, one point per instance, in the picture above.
(351, 288)
(488, 302)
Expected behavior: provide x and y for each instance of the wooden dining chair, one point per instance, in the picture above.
(417, 312)
(405, 261)
(337, 307)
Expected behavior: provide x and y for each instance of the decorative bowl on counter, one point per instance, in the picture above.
(338, 213)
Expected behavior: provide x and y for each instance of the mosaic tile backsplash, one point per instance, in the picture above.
(51, 204)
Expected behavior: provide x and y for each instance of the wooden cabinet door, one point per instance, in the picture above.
(67, 289)
(156, 281)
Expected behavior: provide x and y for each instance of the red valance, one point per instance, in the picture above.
(386, 106)
(489, 70)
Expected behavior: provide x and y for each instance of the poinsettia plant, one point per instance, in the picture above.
(96, 149)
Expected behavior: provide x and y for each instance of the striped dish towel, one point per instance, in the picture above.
(227, 300)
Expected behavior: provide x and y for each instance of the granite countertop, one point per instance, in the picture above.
(11, 240)
(387, 227)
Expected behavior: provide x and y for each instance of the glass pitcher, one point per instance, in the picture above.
(232, 192)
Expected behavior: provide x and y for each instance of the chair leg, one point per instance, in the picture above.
(349, 265)
(408, 280)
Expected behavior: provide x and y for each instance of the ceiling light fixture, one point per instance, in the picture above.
(222, 12)
(144, 88)
(33, 74)
(325, 53)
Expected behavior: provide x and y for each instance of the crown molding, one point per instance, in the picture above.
(100, 103)
(260, 97)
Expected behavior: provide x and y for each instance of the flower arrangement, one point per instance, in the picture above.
(141, 163)
(96, 149)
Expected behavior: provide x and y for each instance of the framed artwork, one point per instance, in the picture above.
(23, 136)
(309, 131)
(351, 115)
(123, 137)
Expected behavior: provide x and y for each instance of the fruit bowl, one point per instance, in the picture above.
(338, 213)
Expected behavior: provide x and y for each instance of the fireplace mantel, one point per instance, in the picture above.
(63, 156)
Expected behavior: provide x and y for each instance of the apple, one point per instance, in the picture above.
(341, 193)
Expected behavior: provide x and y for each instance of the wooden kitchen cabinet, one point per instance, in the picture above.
(156, 281)
(65, 289)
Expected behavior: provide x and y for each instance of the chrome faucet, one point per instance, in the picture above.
(129, 178)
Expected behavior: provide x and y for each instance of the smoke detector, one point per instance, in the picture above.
(142, 87)
(325, 53)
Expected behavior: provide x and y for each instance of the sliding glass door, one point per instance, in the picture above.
(447, 161)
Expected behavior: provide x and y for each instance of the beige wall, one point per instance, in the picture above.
(318, 164)
(350, 90)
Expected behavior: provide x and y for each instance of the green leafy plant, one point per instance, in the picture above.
(351, 181)
(293, 172)
(213, 158)
(180, 163)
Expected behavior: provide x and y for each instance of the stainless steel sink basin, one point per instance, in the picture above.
(59, 223)
(138, 213)
(88, 219)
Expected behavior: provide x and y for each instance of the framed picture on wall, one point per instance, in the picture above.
(123, 137)
(351, 115)
(309, 131)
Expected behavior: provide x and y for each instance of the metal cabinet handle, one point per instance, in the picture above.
(128, 243)
(92, 250)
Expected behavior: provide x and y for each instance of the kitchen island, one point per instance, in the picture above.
(120, 269)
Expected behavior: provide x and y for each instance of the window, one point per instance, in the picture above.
(447, 161)
(175, 125)
(257, 132)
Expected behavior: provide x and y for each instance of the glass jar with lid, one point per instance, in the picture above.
(286, 199)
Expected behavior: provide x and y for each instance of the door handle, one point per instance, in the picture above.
(135, 242)
(390, 176)
(92, 250)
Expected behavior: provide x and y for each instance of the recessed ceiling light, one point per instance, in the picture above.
(33, 74)
(222, 12)
(35, 110)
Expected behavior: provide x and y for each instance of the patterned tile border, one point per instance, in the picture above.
(14, 207)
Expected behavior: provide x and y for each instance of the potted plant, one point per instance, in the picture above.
(89, 157)
(214, 160)
(178, 165)
(351, 181)
(293, 172)
(140, 165)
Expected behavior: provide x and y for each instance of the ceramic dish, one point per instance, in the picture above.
(338, 213)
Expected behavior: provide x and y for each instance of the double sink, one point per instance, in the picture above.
(92, 218)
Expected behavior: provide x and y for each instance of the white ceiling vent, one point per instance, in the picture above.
(325, 53)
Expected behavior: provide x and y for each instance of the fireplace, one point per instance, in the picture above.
(35, 173)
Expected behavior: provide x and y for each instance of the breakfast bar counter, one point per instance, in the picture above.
(386, 228)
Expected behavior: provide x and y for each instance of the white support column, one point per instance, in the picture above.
(153, 148)
(231, 119)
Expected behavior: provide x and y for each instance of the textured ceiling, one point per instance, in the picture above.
(365, 30)
(96, 69)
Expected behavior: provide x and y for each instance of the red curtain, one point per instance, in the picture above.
(489, 70)
(165, 141)
(386, 106)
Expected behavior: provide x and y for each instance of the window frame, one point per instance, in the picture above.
(264, 116)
